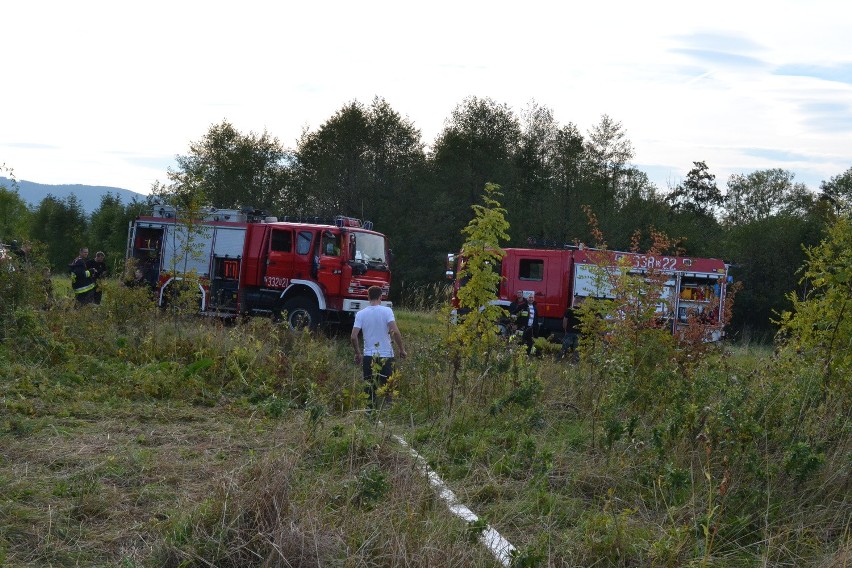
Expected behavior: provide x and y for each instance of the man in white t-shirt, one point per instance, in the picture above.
(378, 325)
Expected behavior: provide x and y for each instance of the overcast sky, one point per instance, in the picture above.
(107, 93)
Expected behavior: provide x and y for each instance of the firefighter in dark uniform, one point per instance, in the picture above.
(99, 271)
(517, 303)
(82, 280)
(571, 328)
(509, 320)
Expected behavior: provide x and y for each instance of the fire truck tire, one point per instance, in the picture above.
(302, 313)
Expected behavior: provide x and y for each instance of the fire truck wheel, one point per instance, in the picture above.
(302, 313)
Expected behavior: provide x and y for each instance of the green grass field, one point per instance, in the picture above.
(133, 437)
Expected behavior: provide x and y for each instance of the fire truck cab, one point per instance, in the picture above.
(247, 263)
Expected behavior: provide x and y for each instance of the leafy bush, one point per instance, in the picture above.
(24, 285)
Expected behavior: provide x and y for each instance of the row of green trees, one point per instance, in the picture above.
(369, 161)
(57, 228)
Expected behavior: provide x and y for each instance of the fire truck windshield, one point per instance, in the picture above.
(370, 249)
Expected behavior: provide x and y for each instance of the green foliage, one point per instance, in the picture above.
(25, 287)
(183, 361)
(550, 180)
(370, 486)
(762, 194)
(107, 230)
(623, 333)
(475, 529)
(525, 395)
(478, 145)
(14, 214)
(61, 225)
(610, 535)
(476, 148)
(698, 194)
(819, 326)
(481, 254)
(131, 309)
(838, 191)
(529, 557)
(609, 150)
(360, 161)
(802, 461)
(368, 161)
(768, 275)
(232, 169)
(188, 197)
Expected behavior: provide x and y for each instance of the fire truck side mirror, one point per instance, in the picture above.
(451, 266)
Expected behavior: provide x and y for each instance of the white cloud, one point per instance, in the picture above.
(119, 89)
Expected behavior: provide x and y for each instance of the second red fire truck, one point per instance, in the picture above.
(693, 289)
(243, 262)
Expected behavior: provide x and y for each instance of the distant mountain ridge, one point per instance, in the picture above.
(88, 195)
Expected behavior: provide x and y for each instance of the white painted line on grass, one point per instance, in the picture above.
(500, 547)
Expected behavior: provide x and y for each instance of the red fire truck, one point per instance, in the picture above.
(693, 288)
(243, 262)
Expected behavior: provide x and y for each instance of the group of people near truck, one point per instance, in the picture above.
(86, 277)
(524, 322)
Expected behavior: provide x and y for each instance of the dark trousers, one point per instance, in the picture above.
(527, 338)
(85, 298)
(569, 344)
(570, 341)
(374, 379)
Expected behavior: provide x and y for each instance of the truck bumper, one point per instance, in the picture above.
(353, 306)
